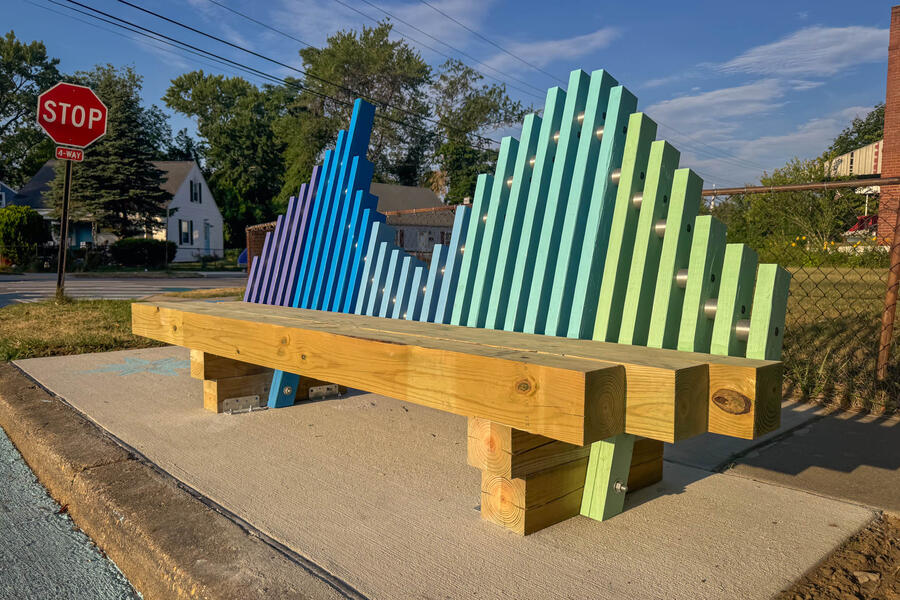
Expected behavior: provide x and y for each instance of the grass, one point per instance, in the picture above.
(51, 328)
(230, 292)
(832, 336)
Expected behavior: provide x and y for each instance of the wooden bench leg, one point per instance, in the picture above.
(529, 482)
(234, 385)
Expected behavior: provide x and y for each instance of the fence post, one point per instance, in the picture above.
(890, 305)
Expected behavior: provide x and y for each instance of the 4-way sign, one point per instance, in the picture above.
(72, 115)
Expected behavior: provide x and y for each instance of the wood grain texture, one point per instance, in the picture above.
(572, 400)
(210, 366)
(745, 404)
(219, 393)
(512, 453)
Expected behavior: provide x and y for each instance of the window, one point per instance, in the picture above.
(196, 192)
(185, 231)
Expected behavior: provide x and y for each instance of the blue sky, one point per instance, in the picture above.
(738, 87)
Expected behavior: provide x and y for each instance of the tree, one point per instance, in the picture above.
(21, 230)
(465, 110)
(117, 187)
(25, 72)
(861, 132)
(367, 64)
(184, 147)
(242, 154)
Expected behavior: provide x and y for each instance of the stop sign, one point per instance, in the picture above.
(72, 115)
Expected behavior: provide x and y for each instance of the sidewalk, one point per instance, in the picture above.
(377, 493)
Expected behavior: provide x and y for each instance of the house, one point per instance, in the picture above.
(6, 194)
(193, 221)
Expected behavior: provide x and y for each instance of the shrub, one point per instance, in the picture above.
(21, 230)
(140, 252)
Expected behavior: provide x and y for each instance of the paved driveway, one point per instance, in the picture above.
(34, 287)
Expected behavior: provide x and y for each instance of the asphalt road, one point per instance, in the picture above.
(34, 287)
(42, 553)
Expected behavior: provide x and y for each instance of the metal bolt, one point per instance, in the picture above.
(620, 487)
(681, 278)
(599, 133)
(287, 391)
(659, 228)
(615, 176)
(637, 200)
(742, 329)
(556, 137)
(709, 308)
(580, 117)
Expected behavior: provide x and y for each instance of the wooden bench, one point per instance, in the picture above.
(581, 314)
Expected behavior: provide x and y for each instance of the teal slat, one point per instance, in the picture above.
(512, 224)
(433, 283)
(379, 233)
(416, 295)
(450, 270)
(490, 244)
(523, 267)
(471, 250)
(379, 275)
(403, 288)
(389, 295)
(556, 203)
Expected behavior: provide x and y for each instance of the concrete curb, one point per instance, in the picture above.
(168, 543)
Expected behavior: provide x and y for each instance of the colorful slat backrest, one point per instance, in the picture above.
(586, 229)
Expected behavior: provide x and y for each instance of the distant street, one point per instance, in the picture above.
(35, 287)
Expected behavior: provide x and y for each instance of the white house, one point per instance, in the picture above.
(6, 194)
(194, 222)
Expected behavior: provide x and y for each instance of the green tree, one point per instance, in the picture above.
(242, 155)
(368, 64)
(465, 110)
(21, 230)
(25, 72)
(117, 187)
(184, 147)
(861, 132)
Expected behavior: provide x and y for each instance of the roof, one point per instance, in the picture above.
(176, 171)
(403, 197)
(32, 193)
(441, 216)
(7, 187)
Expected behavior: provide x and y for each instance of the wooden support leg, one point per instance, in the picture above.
(529, 482)
(234, 385)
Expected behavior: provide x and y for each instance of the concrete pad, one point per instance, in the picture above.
(849, 456)
(712, 452)
(378, 492)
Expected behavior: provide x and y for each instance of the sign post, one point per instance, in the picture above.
(72, 115)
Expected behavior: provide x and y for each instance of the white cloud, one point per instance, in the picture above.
(545, 52)
(814, 51)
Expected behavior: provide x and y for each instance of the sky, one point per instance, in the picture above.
(737, 87)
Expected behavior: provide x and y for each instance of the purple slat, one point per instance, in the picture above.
(266, 278)
(302, 231)
(260, 265)
(291, 250)
(281, 236)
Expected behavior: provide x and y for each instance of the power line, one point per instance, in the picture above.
(491, 42)
(260, 23)
(455, 49)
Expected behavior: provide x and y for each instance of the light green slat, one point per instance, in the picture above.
(767, 315)
(608, 464)
(647, 245)
(470, 247)
(534, 214)
(704, 275)
(734, 299)
(556, 203)
(496, 215)
(641, 131)
(577, 299)
(512, 224)
(668, 298)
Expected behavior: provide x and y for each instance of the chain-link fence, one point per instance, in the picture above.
(834, 318)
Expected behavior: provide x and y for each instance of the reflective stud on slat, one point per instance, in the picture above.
(615, 176)
(659, 228)
(637, 200)
(709, 308)
(681, 278)
(599, 133)
(742, 329)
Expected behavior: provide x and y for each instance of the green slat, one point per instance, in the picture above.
(534, 214)
(734, 300)
(496, 215)
(470, 247)
(668, 298)
(767, 315)
(610, 462)
(578, 309)
(704, 276)
(641, 131)
(647, 245)
(556, 202)
(512, 224)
